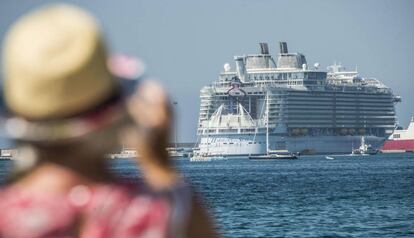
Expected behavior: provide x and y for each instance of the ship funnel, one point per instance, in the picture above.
(264, 49)
(283, 47)
(240, 67)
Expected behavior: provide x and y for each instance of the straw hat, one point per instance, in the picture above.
(55, 64)
(56, 80)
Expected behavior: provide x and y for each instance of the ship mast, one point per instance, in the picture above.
(267, 122)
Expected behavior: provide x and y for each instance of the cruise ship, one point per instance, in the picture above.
(263, 103)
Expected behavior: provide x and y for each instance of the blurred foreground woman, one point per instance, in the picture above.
(66, 113)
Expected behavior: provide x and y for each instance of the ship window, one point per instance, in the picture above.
(247, 130)
(312, 75)
(321, 75)
(279, 76)
(396, 136)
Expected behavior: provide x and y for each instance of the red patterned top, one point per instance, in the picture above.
(101, 211)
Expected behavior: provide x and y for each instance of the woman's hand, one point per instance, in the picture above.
(150, 109)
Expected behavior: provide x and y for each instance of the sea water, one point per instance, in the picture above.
(358, 196)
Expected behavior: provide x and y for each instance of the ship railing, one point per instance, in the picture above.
(358, 88)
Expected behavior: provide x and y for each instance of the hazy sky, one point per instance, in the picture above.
(186, 43)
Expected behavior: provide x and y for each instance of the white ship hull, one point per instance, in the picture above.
(242, 145)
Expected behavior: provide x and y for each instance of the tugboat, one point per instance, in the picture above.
(364, 149)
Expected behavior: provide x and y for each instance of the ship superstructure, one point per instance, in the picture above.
(309, 110)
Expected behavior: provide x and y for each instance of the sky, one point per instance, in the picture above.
(186, 42)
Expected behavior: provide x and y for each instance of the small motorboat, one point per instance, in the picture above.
(199, 158)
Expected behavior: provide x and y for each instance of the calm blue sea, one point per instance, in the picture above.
(369, 196)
